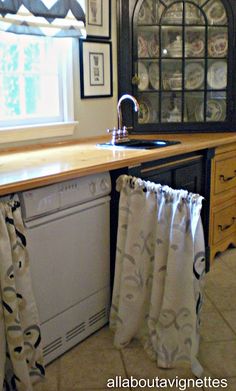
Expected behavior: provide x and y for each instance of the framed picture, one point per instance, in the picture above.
(98, 19)
(95, 69)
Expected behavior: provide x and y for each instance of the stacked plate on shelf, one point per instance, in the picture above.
(217, 75)
(194, 76)
(215, 111)
(148, 75)
(218, 45)
(215, 12)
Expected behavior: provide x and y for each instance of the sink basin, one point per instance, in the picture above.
(140, 144)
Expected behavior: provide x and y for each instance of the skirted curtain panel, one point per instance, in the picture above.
(21, 360)
(56, 18)
(160, 264)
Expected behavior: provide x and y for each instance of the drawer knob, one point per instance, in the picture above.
(227, 226)
(224, 179)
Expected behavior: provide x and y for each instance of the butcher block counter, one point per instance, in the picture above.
(44, 164)
(40, 165)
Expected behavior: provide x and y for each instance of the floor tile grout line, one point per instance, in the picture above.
(213, 304)
(217, 309)
(124, 366)
(228, 324)
(222, 317)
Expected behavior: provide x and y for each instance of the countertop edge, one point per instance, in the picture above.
(112, 160)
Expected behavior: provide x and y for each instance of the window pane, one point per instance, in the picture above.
(30, 79)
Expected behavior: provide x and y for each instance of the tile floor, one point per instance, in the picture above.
(88, 366)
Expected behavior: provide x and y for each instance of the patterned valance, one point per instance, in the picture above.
(57, 18)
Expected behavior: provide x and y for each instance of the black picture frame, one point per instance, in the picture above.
(96, 69)
(98, 19)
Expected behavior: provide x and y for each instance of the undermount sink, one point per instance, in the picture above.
(140, 144)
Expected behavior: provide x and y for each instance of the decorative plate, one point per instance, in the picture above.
(197, 48)
(216, 13)
(174, 15)
(143, 75)
(145, 15)
(145, 109)
(216, 110)
(153, 46)
(154, 75)
(194, 76)
(142, 46)
(217, 75)
(218, 45)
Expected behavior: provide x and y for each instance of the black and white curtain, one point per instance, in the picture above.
(55, 18)
(159, 275)
(21, 359)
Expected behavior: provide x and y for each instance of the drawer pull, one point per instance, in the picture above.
(225, 227)
(224, 179)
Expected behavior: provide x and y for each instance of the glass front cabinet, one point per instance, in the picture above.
(178, 59)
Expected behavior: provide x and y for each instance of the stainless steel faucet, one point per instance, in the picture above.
(120, 134)
(124, 97)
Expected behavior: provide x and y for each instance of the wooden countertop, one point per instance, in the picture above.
(31, 167)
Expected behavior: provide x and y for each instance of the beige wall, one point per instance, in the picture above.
(94, 115)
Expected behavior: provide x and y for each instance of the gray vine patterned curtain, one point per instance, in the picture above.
(160, 264)
(21, 360)
(55, 18)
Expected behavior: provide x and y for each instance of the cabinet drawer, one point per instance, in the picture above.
(224, 222)
(225, 174)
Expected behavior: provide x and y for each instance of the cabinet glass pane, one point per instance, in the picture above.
(148, 13)
(148, 42)
(149, 108)
(194, 42)
(216, 106)
(197, 2)
(148, 75)
(143, 77)
(217, 42)
(193, 109)
(171, 107)
(154, 75)
(172, 75)
(194, 74)
(215, 12)
(173, 14)
(193, 15)
(217, 74)
(171, 42)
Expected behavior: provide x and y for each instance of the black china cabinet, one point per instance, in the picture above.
(178, 59)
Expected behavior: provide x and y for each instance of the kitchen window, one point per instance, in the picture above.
(36, 86)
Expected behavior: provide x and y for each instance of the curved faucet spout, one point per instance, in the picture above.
(124, 97)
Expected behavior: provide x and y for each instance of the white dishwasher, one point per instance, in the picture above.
(68, 242)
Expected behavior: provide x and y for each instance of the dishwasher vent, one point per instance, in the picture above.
(97, 317)
(75, 331)
(52, 346)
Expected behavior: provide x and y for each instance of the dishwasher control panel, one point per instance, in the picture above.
(51, 198)
(79, 190)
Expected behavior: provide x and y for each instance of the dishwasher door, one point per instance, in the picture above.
(70, 267)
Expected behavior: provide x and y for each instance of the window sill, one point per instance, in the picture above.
(34, 132)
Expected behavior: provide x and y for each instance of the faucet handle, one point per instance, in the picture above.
(113, 130)
(115, 134)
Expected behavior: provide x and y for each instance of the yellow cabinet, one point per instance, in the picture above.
(223, 200)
